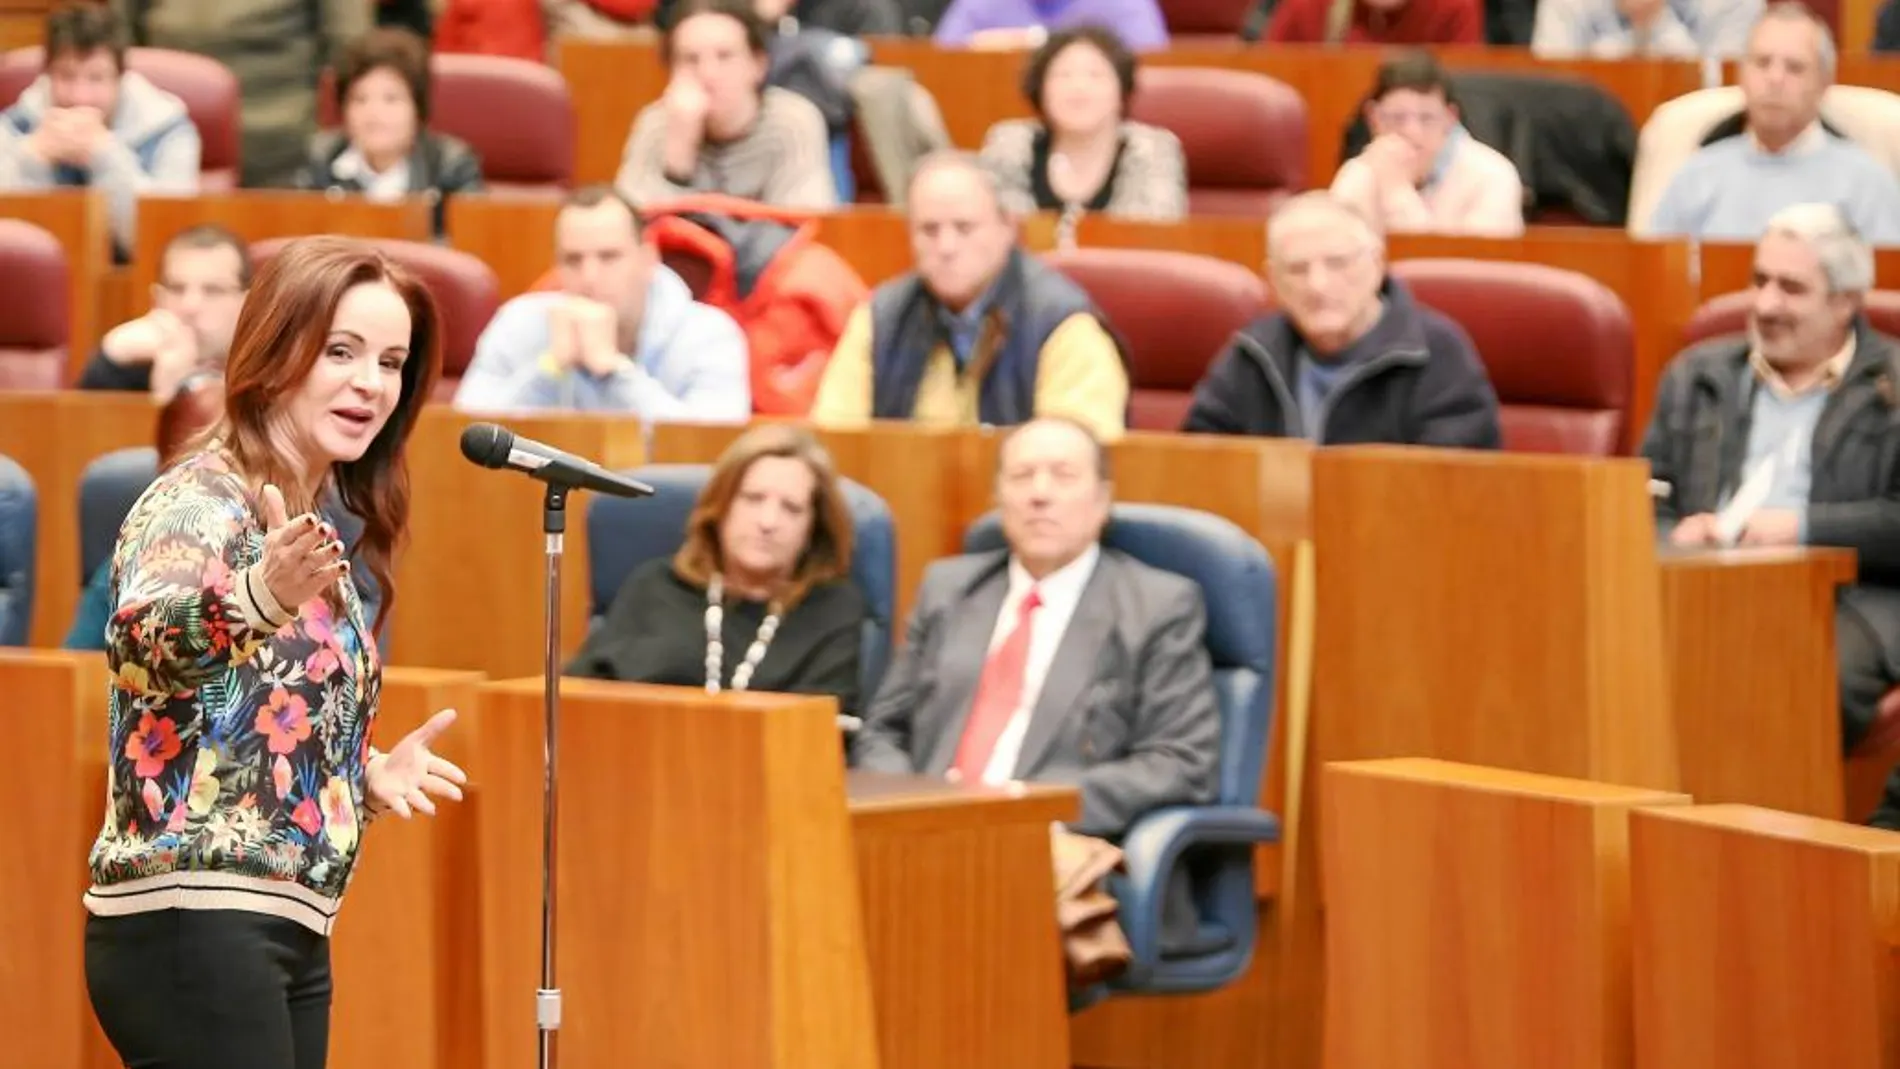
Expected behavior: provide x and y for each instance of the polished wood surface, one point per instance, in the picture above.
(942, 872)
(54, 436)
(259, 215)
(78, 220)
(1455, 887)
(1493, 609)
(513, 235)
(707, 909)
(1754, 690)
(405, 951)
(472, 580)
(1763, 939)
(53, 708)
(742, 919)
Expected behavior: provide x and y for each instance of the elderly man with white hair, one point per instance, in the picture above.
(1789, 436)
(1349, 357)
(1778, 152)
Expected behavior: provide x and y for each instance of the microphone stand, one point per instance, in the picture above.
(547, 998)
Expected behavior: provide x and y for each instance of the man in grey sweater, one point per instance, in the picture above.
(88, 122)
(1787, 437)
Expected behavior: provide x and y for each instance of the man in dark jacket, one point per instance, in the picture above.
(1349, 358)
(1790, 436)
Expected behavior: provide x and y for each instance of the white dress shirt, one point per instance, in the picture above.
(1061, 591)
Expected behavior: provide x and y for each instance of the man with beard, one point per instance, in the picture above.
(1789, 436)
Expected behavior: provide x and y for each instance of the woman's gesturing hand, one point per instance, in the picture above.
(301, 556)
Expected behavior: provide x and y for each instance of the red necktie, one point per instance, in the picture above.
(998, 693)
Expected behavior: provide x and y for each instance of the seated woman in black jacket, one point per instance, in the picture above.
(385, 150)
(760, 596)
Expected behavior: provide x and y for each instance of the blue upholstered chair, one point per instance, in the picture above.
(19, 537)
(623, 533)
(108, 489)
(1216, 842)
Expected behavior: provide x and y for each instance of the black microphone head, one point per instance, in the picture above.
(487, 444)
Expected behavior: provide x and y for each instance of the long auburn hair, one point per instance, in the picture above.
(280, 335)
(827, 554)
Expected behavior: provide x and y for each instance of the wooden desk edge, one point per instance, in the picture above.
(1503, 781)
(1788, 827)
(930, 803)
(1840, 565)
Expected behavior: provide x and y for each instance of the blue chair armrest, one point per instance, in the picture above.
(1153, 847)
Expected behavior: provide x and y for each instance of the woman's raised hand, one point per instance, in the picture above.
(302, 556)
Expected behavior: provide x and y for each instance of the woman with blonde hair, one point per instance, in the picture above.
(759, 597)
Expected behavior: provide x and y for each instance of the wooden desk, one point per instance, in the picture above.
(1762, 939)
(1858, 66)
(54, 436)
(406, 950)
(471, 582)
(514, 235)
(1493, 609)
(738, 917)
(53, 706)
(921, 841)
(1478, 918)
(258, 215)
(1749, 635)
(78, 219)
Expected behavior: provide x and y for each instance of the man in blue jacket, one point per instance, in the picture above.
(623, 334)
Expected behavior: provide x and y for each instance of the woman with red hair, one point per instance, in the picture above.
(245, 677)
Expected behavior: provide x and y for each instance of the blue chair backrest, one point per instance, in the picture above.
(623, 533)
(19, 540)
(1238, 583)
(111, 485)
(108, 489)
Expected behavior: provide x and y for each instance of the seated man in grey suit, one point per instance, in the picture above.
(1057, 661)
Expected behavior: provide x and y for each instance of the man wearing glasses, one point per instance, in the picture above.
(202, 279)
(1423, 172)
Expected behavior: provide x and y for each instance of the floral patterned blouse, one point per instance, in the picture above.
(237, 748)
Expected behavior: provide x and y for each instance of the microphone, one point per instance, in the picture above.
(494, 446)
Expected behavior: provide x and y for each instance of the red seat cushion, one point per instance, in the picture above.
(1558, 346)
(1243, 135)
(33, 306)
(1174, 311)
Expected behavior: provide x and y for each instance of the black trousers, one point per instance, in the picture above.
(1864, 679)
(210, 989)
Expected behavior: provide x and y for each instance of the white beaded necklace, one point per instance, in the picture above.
(716, 646)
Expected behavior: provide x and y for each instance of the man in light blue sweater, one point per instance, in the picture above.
(623, 335)
(1777, 152)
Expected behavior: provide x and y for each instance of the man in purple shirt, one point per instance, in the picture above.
(1022, 24)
